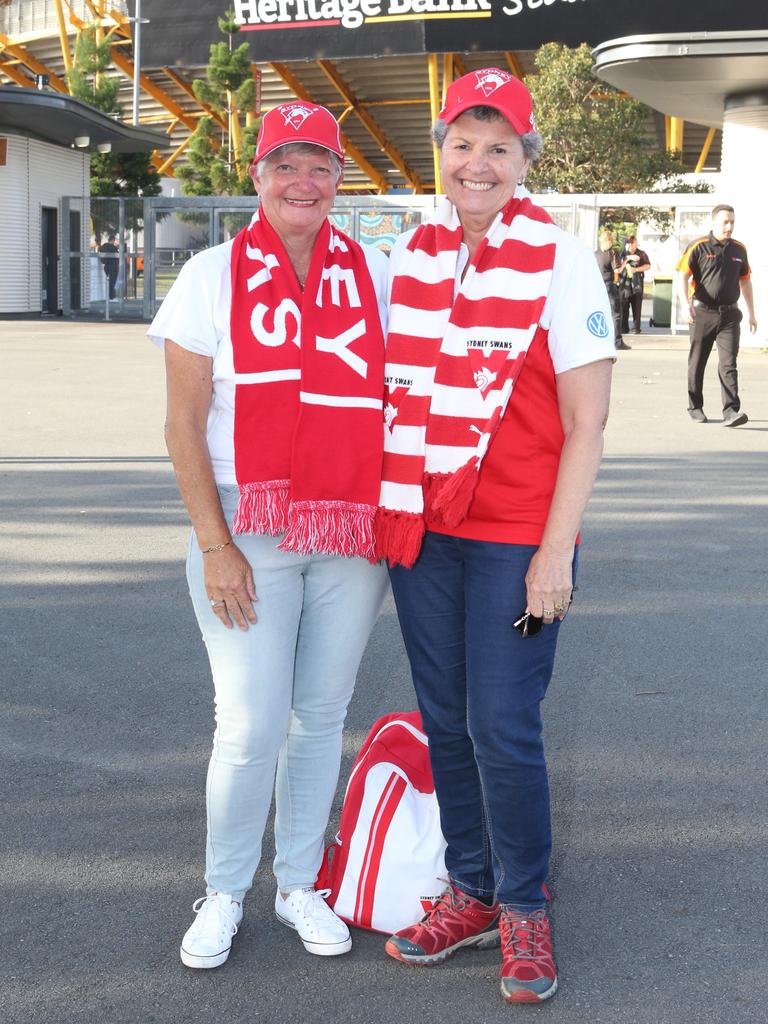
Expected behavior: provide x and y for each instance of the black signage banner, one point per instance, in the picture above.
(284, 30)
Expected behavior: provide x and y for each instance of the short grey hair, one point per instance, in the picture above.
(532, 142)
(298, 147)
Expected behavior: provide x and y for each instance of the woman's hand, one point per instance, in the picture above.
(582, 395)
(549, 584)
(230, 587)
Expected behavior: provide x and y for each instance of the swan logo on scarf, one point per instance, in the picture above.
(296, 115)
(392, 400)
(490, 81)
(486, 359)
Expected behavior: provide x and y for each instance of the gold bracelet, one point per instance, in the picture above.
(215, 547)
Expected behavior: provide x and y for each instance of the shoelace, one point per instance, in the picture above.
(526, 935)
(316, 903)
(450, 899)
(206, 906)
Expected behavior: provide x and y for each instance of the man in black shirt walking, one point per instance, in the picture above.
(714, 271)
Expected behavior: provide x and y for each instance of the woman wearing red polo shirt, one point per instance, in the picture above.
(499, 359)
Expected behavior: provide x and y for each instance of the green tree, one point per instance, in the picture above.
(112, 174)
(594, 136)
(218, 158)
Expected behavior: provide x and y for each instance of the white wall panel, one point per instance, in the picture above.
(14, 228)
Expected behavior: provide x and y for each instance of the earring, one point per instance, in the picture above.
(521, 181)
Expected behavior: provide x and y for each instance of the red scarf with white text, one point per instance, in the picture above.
(308, 392)
(452, 364)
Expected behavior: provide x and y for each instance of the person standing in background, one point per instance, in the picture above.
(610, 265)
(714, 272)
(109, 260)
(633, 263)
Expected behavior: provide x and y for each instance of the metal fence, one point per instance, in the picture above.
(154, 237)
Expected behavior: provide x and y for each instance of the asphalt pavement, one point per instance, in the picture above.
(655, 722)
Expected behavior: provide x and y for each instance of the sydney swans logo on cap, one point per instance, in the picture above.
(296, 114)
(490, 81)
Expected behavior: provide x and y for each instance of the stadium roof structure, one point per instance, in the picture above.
(381, 65)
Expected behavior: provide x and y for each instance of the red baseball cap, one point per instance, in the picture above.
(491, 87)
(298, 122)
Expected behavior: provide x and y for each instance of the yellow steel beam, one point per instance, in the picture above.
(63, 40)
(352, 187)
(676, 129)
(344, 114)
(157, 160)
(32, 63)
(393, 103)
(447, 74)
(122, 23)
(167, 119)
(78, 22)
(335, 105)
(705, 151)
(12, 72)
(331, 72)
(434, 103)
(378, 179)
(514, 64)
(236, 137)
(186, 88)
(459, 67)
(166, 165)
(126, 66)
(96, 9)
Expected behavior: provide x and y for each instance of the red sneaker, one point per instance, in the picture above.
(528, 972)
(454, 921)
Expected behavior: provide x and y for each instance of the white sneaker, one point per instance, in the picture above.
(209, 939)
(321, 931)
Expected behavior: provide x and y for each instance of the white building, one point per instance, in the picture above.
(45, 141)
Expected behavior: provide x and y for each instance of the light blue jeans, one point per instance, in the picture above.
(281, 691)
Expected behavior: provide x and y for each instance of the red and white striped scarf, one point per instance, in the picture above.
(452, 364)
(308, 392)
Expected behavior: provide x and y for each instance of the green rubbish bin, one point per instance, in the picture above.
(662, 302)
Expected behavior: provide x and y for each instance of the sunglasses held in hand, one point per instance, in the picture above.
(529, 624)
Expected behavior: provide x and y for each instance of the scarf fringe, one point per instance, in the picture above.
(448, 496)
(263, 507)
(398, 536)
(330, 528)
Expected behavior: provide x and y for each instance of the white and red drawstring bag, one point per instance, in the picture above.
(388, 862)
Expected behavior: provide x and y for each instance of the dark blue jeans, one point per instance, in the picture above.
(479, 685)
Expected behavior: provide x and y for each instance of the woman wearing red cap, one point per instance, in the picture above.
(274, 353)
(498, 370)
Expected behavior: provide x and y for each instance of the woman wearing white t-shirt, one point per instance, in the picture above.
(274, 356)
(498, 374)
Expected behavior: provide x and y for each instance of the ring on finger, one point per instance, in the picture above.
(215, 604)
(548, 613)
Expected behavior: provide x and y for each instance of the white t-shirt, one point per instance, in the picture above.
(195, 314)
(577, 313)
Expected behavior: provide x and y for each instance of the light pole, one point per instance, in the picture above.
(137, 21)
